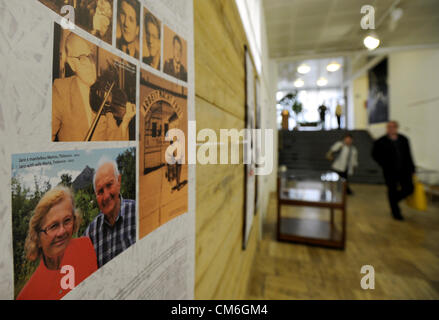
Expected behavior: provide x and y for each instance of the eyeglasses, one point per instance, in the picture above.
(84, 58)
(53, 228)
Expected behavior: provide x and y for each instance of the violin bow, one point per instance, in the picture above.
(98, 116)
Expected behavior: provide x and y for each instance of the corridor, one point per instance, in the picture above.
(405, 255)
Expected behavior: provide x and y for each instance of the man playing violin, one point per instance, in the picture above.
(72, 115)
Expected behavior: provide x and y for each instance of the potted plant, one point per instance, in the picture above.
(290, 101)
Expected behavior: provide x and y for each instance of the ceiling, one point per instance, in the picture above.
(288, 74)
(298, 28)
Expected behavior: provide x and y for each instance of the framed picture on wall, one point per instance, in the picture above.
(378, 101)
(249, 148)
(258, 142)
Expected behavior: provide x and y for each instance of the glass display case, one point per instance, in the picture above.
(312, 189)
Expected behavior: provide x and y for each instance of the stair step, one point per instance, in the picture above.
(306, 150)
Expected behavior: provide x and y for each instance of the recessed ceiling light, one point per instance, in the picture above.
(322, 81)
(299, 83)
(333, 66)
(304, 69)
(371, 42)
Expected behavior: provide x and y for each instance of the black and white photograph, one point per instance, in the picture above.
(128, 27)
(93, 92)
(94, 16)
(378, 101)
(163, 181)
(152, 40)
(175, 55)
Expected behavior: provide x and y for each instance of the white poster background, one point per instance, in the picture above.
(161, 265)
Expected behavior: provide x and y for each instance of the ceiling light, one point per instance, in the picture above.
(279, 95)
(371, 42)
(333, 66)
(304, 69)
(397, 14)
(299, 83)
(322, 81)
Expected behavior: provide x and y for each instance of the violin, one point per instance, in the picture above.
(115, 103)
(106, 96)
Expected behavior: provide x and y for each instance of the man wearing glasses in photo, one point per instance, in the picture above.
(72, 115)
(50, 239)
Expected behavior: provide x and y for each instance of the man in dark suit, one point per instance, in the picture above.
(174, 66)
(152, 41)
(128, 27)
(392, 152)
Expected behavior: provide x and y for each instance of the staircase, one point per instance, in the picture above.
(304, 151)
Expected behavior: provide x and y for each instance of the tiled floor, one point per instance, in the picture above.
(405, 255)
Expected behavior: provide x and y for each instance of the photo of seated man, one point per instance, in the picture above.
(114, 229)
(128, 27)
(50, 240)
(85, 93)
(152, 40)
(175, 53)
(94, 16)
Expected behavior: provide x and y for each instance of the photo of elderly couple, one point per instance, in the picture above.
(72, 212)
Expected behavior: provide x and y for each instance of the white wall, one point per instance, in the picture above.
(359, 98)
(414, 101)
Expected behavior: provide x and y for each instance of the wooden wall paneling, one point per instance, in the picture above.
(222, 267)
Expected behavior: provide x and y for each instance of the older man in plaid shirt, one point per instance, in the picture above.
(114, 229)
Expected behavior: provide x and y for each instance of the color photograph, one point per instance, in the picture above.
(163, 182)
(93, 92)
(72, 212)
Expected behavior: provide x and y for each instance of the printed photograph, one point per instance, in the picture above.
(128, 27)
(72, 212)
(94, 16)
(163, 181)
(152, 40)
(93, 92)
(175, 55)
(378, 101)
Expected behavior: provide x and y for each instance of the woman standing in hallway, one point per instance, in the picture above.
(338, 114)
(345, 160)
